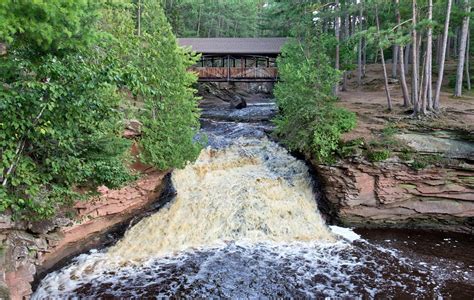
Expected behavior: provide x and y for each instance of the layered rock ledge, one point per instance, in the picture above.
(391, 194)
(31, 248)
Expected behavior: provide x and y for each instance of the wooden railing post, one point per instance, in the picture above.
(228, 68)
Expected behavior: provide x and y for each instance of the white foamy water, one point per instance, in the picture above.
(252, 191)
(244, 224)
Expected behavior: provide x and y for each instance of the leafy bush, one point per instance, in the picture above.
(378, 155)
(309, 121)
(154, 70)
(60, 127)
(61, 121)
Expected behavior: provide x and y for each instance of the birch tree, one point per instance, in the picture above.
(382, 56)
(415, 100)
(462, 50)
(442, 56)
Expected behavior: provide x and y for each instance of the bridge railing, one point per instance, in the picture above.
(236, 73)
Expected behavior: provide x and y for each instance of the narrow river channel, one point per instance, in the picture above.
(245, 224)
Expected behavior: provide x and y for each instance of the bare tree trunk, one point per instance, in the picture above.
(387, 91)
(139, 18)
(416, 103)
(439, 46)
(199, 22)
(359, 55)
(468, 75)
(443, 57)
(344, 81)
(429, 60)
(462, 51)
(403, 81)
(337, 30)
(364, 57)
(407, 58)
(395, 49)
(423, 84)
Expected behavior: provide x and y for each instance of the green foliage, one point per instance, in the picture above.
(378, 155)
(389, 130)
(349, 148)
(424, 161)
(49, 26)
(309, 121)
(60, 127)
(211, 18)
(61, 116)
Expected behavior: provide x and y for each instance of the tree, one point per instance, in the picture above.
(415, 50)
(387, 91)
(442, 57)
(403, 82)
(462, 50)
(62, 104)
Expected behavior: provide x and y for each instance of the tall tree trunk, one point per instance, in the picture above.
(468, 75)
(443, 56)
(462, 50)
(395, 50)
(139, 18)
(415, 100)
(360, 49)
(199, 22)
(337, 29)
(407, 58)
(403, 81)
(385, 76)
(429, 60)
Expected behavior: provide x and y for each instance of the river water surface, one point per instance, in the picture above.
(245, 224)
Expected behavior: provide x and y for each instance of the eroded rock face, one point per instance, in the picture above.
(390, 194)
(31, 248)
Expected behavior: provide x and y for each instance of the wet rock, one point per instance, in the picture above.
(237, 102)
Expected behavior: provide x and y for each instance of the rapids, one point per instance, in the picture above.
(245, 224)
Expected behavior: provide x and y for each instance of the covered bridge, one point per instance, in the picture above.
(236, 59)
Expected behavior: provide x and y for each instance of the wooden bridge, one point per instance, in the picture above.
(236, 59)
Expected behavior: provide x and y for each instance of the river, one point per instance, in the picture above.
(245, 224)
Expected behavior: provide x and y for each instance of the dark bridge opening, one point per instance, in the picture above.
(236, 59)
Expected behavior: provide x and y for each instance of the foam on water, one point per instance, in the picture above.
(252, 191)
(244, 224)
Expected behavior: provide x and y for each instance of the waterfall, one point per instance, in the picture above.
(252, 191)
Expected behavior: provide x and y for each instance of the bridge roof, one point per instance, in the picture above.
(234, 45)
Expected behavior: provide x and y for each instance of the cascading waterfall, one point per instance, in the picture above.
(251, 191)
(245, 224)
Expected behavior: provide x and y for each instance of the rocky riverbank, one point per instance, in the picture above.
(391, 194)
(31, 248)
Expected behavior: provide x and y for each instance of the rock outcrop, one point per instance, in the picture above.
(31, 248)
(391, 194)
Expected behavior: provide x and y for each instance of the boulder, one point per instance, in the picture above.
(237, 102)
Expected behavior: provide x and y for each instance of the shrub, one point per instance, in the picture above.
(309, 121)
(61, 121)
(378, 155)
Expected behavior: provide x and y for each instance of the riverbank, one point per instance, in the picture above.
(30, 250)
(402, 172)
